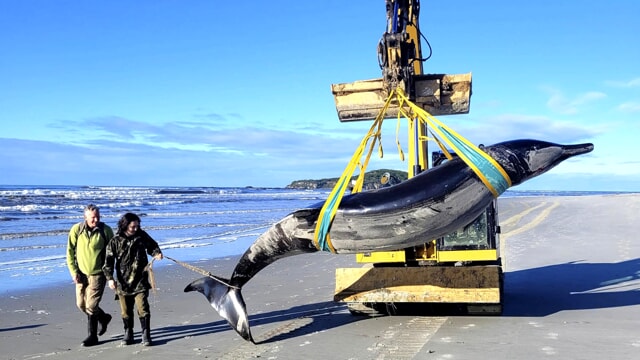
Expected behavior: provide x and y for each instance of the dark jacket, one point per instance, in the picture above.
(129, 255)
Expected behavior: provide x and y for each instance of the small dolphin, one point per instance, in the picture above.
(428, 206)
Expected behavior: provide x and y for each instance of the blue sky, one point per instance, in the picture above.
(211, 93)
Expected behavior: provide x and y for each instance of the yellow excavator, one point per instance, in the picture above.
(462, 269)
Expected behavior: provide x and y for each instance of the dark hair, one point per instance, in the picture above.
(124, 222)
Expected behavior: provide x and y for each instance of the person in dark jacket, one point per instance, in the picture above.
(127, 254)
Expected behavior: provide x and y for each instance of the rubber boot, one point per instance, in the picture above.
(92, 329)
(145, 324)
(127, 339)
(103, 321)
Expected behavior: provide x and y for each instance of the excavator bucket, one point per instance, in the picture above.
(438, 94)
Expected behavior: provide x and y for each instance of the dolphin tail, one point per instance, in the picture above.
(227, 301)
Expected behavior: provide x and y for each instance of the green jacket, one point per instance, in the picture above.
(86, 249)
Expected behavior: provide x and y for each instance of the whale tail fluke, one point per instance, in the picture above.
(227, 301)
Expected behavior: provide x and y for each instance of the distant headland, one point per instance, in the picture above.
(374, 179)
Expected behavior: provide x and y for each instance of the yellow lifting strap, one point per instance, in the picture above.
(321, 236)
(485, 167)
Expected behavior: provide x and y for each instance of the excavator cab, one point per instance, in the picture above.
(481, 234)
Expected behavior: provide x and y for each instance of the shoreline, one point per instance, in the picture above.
(49, 269)
(571, 286)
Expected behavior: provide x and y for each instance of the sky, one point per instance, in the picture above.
(221, 93)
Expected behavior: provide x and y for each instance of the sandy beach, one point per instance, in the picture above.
(572, 291)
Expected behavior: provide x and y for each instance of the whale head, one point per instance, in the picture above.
(526, 159)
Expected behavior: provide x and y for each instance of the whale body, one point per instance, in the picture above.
(430, 205)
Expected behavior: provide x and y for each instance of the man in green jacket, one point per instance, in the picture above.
(86, 249)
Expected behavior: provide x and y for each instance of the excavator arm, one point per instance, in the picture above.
(399, 54)
(400, 59)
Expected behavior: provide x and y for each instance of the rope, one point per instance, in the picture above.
(201, 272)
(152, 278)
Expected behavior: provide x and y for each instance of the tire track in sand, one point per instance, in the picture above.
(514, 220)
(404, 340)
(267, 346)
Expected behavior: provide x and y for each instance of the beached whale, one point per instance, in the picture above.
(430, 205)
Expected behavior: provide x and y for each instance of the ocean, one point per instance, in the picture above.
(189, 223)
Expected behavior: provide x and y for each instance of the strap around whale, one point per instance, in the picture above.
(321, 238)
(492, 175)
(485, 167)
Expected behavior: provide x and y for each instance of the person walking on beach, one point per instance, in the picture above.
(85, 258)
(127, 254)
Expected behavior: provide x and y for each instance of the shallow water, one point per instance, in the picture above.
(188, 223)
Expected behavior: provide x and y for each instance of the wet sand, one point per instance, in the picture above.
(572, 291)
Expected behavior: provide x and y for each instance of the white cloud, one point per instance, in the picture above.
(558, 102)
(503, 127)
(624, 84)
(629, 107)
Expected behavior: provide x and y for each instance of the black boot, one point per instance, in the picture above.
(146, 330)
(127, 339)
(92, 329)
(103, 321)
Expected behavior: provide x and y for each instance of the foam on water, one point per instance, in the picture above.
(190, 223)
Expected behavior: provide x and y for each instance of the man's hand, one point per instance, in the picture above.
(76, 278)
(112, 284)
(158, 256)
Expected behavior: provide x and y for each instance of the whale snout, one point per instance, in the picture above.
(576, 149)
(526, 158)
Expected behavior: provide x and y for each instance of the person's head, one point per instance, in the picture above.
(91, 215)
(128, 224)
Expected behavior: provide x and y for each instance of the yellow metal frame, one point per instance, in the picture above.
(438, 94)
(467, 255)
(435, 284)
(441, 256)
(399, 256)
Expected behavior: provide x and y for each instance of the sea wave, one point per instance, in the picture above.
(4, 264)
